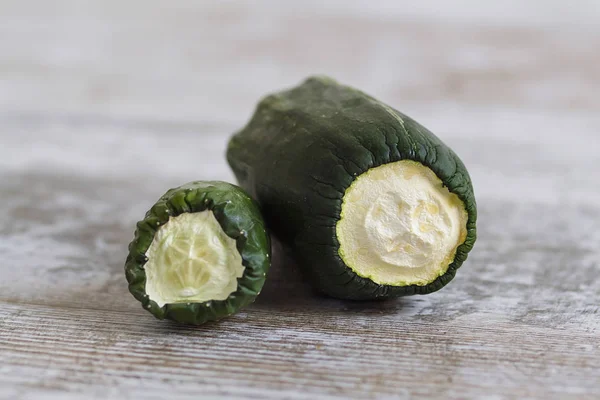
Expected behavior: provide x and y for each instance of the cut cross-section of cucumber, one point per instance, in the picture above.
(192, 259)
(399, 225)
(201, 253)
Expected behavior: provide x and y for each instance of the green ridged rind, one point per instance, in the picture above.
(303, 148)
(239, 216)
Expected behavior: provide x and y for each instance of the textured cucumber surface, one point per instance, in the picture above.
(303, 148)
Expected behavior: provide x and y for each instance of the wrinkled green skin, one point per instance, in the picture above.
(240, 218)
(301, 151)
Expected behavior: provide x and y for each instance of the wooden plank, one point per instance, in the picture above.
(267, 352)
(521, 318)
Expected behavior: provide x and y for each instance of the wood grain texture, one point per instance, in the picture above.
(106, 105)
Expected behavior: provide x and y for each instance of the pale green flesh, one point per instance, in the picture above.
(192, 260)
(399, 225)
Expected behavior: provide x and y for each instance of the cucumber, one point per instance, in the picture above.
(370, 204)
(201, 253)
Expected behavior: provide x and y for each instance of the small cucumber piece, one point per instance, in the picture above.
(201, 253)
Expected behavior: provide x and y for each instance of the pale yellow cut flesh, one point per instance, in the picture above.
(399, 225)
(192, 260)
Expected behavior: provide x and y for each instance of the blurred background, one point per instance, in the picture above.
(104, 105)
(463, 68)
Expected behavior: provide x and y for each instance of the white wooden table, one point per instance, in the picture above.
(105, 105)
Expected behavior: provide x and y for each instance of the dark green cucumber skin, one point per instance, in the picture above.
(301, 150)
(240, 218)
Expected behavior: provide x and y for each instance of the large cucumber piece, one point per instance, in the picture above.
(371, 204)
(201, 253)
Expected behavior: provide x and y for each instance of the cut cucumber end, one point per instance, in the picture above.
(192, 260)
(399, 225)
